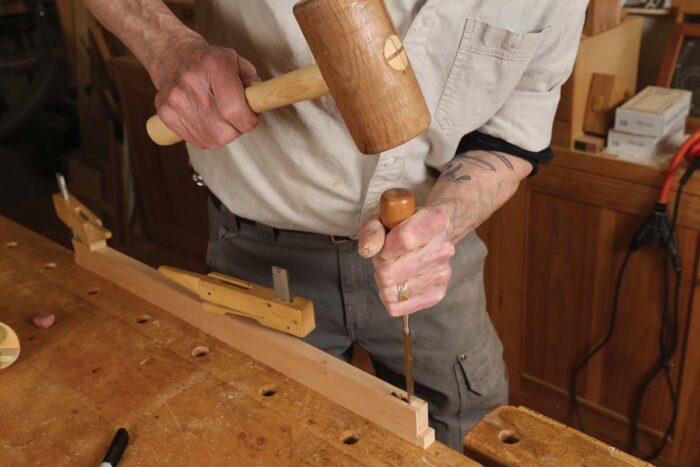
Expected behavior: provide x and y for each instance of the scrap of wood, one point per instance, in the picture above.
(589, 143)
(520, 436)
(607, 92)
(350, 387)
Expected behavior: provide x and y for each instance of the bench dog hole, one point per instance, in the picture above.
(508, 437)
(200, 351)
(268, 390)
(143, 319)
(349, 437)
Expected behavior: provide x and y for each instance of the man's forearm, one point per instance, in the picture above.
(147, 27)
(473, 186)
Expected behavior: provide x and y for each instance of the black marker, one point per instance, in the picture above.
(116, 449)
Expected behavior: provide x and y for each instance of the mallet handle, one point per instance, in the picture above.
(296, 86)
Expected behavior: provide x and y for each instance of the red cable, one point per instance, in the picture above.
(689, 150)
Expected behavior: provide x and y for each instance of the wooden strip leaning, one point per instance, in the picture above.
(350, 387)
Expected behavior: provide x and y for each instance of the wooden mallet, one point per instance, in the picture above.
(361, 62)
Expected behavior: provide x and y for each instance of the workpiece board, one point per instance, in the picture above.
(111, 359)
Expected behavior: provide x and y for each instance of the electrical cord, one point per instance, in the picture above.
(668, 342)
(602, 343)
(658, 231)
(668, 337)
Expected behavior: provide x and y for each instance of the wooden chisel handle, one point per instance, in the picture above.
(395, 206)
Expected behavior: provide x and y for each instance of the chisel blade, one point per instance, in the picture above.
(408, 357)
(280, 280)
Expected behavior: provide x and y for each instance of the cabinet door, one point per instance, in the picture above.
(173, 208)
(554, 254)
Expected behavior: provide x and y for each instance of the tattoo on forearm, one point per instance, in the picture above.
(503, 159)
(451, 173)
(475, 161)
(454, 171)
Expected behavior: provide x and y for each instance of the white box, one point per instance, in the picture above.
(640, 147)
(655, 112)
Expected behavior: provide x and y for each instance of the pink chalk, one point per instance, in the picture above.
(43, 320)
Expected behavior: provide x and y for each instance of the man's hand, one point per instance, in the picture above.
(200, 87)
(472, 186)
(201, 93)
(418, 251)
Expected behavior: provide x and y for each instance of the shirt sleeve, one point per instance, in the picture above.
(525, 119)
(476, 141)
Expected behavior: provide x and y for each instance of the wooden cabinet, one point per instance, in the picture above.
(172, 207)
(555, 251)
(614, 52)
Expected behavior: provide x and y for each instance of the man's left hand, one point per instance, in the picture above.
(417, 251)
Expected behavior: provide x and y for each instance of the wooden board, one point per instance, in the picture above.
(344, 384)
(113, 359)
(519, 436)
(601, 16)
(589, 143)
(606, 93)
(688, 7)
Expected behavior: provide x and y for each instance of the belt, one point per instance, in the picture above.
(334, 239)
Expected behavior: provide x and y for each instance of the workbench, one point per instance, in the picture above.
(112, 359)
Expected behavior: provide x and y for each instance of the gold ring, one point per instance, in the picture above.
(402, 289)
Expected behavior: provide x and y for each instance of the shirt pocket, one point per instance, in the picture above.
(489, 63)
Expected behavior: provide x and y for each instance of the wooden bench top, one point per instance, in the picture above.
(111, 359)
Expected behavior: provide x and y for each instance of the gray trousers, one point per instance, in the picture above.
(458, 363)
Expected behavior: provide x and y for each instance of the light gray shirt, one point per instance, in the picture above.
(494, 66)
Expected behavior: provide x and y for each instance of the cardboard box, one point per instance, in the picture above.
(655, 112)
(641, 146)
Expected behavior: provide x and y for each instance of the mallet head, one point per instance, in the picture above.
(367, 71)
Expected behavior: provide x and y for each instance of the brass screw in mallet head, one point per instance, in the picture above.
(395, 54)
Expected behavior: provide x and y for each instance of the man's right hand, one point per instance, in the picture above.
(201, 93)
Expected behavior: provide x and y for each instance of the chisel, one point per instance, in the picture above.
(397, 205)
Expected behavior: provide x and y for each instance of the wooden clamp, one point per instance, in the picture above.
(86, 225)
(224, 294)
